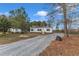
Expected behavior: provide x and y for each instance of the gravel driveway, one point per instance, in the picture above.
(29, 47)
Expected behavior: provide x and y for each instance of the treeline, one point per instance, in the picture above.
(38, 23)
(18, 18)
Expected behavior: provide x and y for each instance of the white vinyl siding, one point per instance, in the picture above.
(47, 30)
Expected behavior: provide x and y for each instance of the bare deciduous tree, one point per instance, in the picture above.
(65, 9)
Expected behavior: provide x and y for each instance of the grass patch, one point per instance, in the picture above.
(9, 38)
(74, 33)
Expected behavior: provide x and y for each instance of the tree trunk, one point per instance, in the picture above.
(65, 19)
(4, 30)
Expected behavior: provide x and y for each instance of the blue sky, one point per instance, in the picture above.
(34, 10)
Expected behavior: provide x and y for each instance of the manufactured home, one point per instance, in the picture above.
(14, 30)
(41, 29)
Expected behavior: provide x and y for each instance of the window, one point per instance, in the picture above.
(48, 29)
(39, 29)
(31, 29)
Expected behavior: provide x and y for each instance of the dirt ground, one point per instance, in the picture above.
(67, 47)
(9, 38)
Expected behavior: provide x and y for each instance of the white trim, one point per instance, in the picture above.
(43, 29)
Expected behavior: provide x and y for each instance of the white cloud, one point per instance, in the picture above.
(42, 13)
(5, 13)
(58, 7)
(60, 14)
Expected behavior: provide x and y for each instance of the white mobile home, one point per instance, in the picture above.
(41, 29)
(14, 30)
